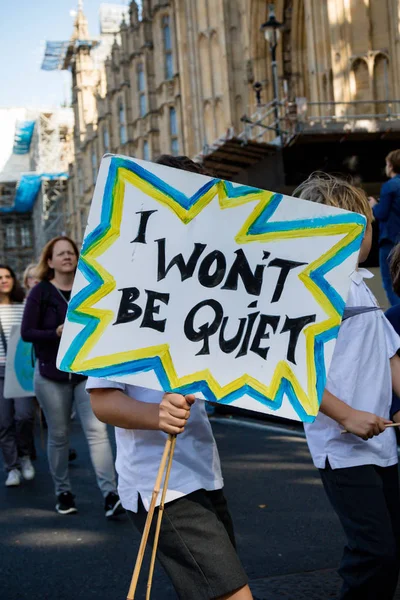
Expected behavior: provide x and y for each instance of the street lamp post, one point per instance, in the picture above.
(271, 32)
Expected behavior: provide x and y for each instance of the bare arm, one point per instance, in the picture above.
(395, 368)
(363, 424)
(116, 408)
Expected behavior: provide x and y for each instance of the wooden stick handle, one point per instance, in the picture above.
(159, 519)
(388, 425)
(146, 531)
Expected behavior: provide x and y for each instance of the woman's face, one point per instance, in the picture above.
(31, 279)
(64, 260)
(6, 282)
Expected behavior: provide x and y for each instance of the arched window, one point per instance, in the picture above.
(122, 122)
(362, 87)
(146, 150)
(141, 87)
(106, 139)
(169, 60)
(381, 84)
(94, 165)
(173, 130)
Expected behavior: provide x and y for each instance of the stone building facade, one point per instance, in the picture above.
(181, 75)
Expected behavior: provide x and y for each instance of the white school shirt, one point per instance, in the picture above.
(196, 463)
(360, 376)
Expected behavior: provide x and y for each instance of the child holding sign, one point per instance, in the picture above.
(359, 470)
(197, 543)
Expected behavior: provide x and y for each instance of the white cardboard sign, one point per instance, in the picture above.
(199, 285)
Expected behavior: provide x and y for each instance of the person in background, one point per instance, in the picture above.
(56, 391)
(387, 213)
(359, 470)
(16, 414)
(29, 277)
(197, 542)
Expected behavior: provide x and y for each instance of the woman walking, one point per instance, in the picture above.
(16, 414)
(56, 391)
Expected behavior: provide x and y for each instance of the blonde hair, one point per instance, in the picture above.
(43, 271)
(330, 190)
(29, 268)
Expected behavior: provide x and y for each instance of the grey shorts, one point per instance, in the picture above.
(197, 545)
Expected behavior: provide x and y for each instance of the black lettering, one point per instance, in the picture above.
(144, 219)
(186, 269)
(128, 310)
(295, 326)
(230, 345)
(285, 266)
(215, 278)
(208, 329)
(245, 344)
(151, 309)
(251, 281)
(261, 334)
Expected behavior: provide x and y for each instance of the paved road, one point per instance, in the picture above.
(289, 539)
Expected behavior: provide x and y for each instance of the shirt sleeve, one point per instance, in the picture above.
(392, 338)
(95, 383)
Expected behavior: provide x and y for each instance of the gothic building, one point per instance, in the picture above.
(194, 77)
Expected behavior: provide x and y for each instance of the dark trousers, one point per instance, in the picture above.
(367, 502)
(385, 249)
(16, 428)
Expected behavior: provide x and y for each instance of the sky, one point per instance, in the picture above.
(25, 26)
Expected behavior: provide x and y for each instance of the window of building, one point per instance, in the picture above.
(26, 240)
(122, 123)
(173, 130)
(169, 61)
(94, 165)
(141, 85)
(11, 236)
(79, 174)
(106, 139)
(146, 150)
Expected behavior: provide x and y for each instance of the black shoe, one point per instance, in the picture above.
(72, 454)
(113, 506)
(66, 504)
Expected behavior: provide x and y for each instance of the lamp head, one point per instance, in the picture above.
(271, 27)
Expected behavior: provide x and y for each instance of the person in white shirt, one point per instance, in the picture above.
(197, 543)
(359, 468)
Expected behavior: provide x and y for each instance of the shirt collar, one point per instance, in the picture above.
(360, 274)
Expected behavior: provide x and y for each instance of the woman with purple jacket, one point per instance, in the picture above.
(56, 391)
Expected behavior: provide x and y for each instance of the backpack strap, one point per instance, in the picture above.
(353, 311)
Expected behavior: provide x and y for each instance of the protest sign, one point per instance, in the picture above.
(198, 285)
(18, 380)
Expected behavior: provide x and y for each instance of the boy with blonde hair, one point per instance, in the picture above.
(359, 469)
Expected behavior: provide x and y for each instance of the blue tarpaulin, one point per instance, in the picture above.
(23, 136)
(27, 191)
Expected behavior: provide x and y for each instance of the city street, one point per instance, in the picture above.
(288, 538)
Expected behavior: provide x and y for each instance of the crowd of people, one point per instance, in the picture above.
(197, 542)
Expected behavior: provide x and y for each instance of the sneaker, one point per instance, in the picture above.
(66, 504)
(28, 471)
(113, 506)
(13, 478)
